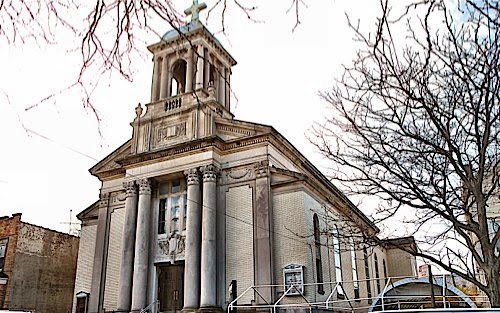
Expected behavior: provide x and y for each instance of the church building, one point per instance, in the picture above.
(198, 202)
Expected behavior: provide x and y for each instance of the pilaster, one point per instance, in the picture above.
(100, 256)
(262, 230)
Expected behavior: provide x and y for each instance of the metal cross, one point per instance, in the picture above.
(194, 10)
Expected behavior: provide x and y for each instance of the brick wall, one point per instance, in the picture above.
(44, 270)
(239, 240)
(9, 228)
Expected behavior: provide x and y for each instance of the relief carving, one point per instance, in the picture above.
(261, 169)
(166, 133)
(171, 246)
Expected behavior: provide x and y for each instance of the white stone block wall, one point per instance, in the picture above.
(111, 288)
(85, 260)
(288, 248)
(239, 240)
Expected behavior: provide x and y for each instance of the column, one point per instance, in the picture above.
(164, 78)
(200, 67)
(189, 71)
(139, 288)
(208, 296)
(154, 83)
(128, 245)
(206, 71)
(228, 89)
(221, 92)
(193, 242)
(100, 256)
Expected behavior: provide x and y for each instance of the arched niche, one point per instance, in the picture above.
(178, 83)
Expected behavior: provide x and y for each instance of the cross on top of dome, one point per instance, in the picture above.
(194, 10)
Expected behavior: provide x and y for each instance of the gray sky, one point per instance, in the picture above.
(276, 81)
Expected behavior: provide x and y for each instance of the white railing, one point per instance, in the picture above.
(343, 296)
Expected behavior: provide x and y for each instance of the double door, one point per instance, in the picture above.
(171, 287)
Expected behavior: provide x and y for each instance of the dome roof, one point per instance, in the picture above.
(185, 29)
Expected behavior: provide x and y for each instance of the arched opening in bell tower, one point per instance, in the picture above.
(178, 83)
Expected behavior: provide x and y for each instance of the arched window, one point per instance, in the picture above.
(354, 268)
(337, 259)
(377, 274)
(367, 273)
(178, 83)
(385, 270)
(319, 264)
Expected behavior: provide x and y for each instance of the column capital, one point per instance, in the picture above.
(104, 199)
(145, 186)
(193, 176)
(261, 169)
(210, 173)
(130, 188)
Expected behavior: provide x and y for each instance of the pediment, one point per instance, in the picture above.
(283, 176)
(110, 162)
(234, 129)
(91, 212)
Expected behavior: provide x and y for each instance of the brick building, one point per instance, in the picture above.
(37, 267)
(197, 200)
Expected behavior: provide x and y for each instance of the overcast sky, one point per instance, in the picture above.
(277, 80)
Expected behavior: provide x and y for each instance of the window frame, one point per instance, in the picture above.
(166, 219)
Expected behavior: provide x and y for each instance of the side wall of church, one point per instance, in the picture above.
(85, 260)
(288, 246)
(239, 240)
(114, 259)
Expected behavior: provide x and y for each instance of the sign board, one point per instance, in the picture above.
(423, 270)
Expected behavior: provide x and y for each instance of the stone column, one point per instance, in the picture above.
(189, 71)
(128, 245)
(193, 242)
(200, 67)
(100, 256)
(228, 89)
(155, 80)
(208, 296)
(221, 92)
(140, 286)
(164, 78)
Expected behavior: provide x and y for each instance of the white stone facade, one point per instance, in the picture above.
(196, 199)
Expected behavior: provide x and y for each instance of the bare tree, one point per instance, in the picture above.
(108, 34)
(415, 121)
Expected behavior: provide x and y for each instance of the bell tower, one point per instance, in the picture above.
(191, 86)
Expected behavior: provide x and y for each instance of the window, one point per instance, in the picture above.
(172, 210)
(367, 273)
(385, 271)
(319, 264)
(337, 259)
(3, 252)
(355, 279)
(377, 274)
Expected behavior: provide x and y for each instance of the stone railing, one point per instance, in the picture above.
(174, 103)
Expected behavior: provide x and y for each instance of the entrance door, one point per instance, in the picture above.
(171, 287)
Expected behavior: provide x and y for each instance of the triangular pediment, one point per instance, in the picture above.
(91, 212)
(283, 176)
(110, 162)
(227, 129)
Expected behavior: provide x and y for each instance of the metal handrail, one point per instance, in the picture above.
(150, 306)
